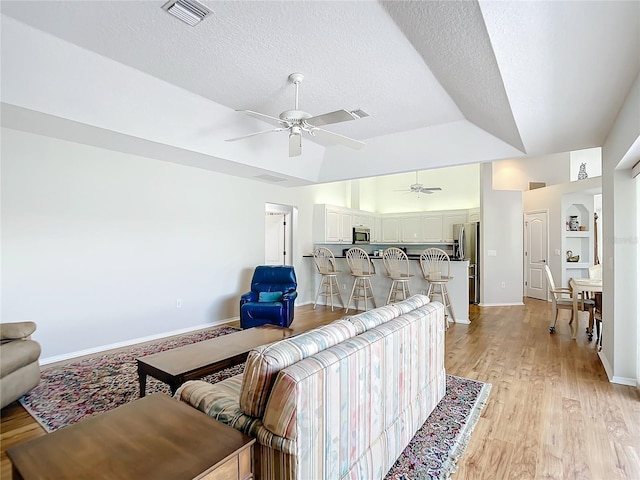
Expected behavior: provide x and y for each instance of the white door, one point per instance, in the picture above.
(278, 234)
(274, 232)
(536, 254)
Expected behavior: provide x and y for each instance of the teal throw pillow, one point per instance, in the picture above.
(269, 296)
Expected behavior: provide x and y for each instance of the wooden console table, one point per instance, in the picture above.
(154, 437)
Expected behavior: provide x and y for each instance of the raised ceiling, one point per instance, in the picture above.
(444, 83)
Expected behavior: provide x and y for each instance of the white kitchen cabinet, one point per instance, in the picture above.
(431, 226)
(332, 224)
(390, 229)
(474, 215)
(410, 229)
(449, 220)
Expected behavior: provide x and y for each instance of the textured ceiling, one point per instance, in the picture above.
(445, 83)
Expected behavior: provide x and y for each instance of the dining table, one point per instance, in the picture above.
(577, 286)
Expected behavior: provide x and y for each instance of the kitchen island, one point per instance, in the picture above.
(458, 286)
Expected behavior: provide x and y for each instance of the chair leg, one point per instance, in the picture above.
(353, 289)
(554, 318)
(334, 281)
(445, 292)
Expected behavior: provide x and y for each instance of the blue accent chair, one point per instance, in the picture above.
(264, 304)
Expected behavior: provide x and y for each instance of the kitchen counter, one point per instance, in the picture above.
(458, 286)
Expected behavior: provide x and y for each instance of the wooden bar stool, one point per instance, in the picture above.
(362, 270)
(326, 265)
(396, 263)
(436, 269)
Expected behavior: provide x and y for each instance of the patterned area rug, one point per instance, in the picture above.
(70, 392)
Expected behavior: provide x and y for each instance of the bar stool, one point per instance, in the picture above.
(362, 270)
(436, 269)
(396, 263)
(326, 265)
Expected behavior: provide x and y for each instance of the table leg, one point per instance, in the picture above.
(142, 377)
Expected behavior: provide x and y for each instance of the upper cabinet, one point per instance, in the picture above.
(390, 230)
(474, 215)
(431, 225)
(334, 225)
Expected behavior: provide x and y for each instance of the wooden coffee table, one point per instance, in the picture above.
(154, 437)
(176, 366)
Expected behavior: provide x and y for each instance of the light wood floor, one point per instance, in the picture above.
(551, 413)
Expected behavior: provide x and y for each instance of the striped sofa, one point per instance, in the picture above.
(341, 401)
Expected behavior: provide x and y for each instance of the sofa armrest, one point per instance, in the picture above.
(16, 330)
(221, 401)
(248, 297)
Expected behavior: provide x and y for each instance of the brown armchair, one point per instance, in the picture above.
(19, 367)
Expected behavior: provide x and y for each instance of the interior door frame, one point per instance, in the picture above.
(525, 255)
(289, 213)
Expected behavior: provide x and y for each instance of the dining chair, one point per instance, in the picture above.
(326, 264)
(397, 266)
(362, 270)
(595, 273)
(561, 299)
(436, 270)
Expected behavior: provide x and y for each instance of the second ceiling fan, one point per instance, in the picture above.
(297, 121)
(420, 188)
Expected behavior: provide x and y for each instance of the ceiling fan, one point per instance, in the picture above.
(296, 121)
(420, 188)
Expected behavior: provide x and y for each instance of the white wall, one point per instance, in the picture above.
(502, 244)
(387, 194)
(97, 245)
(592, 160)
(551, 199)
(620, 280)
(516, 174)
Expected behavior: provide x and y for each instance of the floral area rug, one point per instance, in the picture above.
(70, 392)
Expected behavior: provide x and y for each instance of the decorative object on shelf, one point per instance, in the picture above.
(574, 224)
(571, 257)
(582, 173)
(583, 228)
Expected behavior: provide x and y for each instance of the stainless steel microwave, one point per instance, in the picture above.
(361, 235)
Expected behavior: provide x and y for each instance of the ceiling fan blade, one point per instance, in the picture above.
(253, 134)
(264, 117)
(295, 144)
(336, 138)
(336, 117)
(430, 189)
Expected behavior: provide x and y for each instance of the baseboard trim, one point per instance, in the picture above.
(514, 304)
(464, 321)
(128, 343)
(631, 382)
(607, 366)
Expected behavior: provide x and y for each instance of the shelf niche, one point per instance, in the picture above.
(580, 211)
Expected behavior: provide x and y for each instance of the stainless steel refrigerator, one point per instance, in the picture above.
(466, 246)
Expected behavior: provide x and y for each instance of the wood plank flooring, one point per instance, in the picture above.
(551, 414)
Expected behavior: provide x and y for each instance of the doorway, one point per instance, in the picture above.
(278, 234)
(536, 253)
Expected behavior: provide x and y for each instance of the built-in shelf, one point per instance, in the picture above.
(579, 234)
(576, 265)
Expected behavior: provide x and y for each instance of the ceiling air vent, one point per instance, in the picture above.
(189, 11)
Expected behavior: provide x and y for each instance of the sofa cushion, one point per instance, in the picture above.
(17, 354)
(264, 363)
(372, 318)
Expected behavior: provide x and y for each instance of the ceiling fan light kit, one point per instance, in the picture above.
(298, 121)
